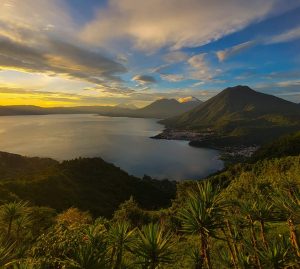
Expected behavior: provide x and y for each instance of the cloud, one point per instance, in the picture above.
(144, 79)
(289, 83)
(93, 96)
(23, 96)
(160, 69)
(33, 38)
(200, 68)
(290, 74)
(151, 25)
(44, 38)
(229, 52)
(60, 58)
(29, 21)
(173, 77)
(287, 36)
(111, 90)
(287, 89)
(175, 57)
(76, 59)
(199, 83)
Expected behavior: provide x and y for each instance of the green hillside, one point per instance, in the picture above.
(288, 145)
(244, 217)
(89, 184)
(242, 114)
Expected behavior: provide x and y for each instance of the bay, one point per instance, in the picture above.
(124, 142)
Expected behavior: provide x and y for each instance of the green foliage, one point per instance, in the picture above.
(277, 254)
(153, 247)
(288, 145)
(245, 217)
(13, 216)
(6, 253)
(92, 252)
(88, 184)
(203, 211)
(120, 237)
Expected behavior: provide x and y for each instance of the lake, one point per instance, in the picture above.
(124, 142)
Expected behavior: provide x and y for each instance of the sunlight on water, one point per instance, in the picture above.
(122, 141)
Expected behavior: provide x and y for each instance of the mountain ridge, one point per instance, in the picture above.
(240, 112)
(162, 108)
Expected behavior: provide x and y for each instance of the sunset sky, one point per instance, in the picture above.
(94, 52)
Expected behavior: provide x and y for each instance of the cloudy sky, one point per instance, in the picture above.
(94, 52)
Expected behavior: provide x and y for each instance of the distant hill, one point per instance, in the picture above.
(240, 113)
(188, 99)
(128, 106)
(160, 109)
(165, 108)
(87, 183)
(36, 110)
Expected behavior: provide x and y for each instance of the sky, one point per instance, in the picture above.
(108, 52)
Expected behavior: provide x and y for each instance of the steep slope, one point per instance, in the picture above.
(87, 183)
(165, 108)
(240, 111)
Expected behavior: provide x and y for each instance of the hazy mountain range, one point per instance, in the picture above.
(160, 109)
(235, 115)
(164, 107)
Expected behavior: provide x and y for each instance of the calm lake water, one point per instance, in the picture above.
(122, 141)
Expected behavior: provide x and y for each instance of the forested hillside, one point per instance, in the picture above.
(89, 184)
(247, 216)
(288, 145)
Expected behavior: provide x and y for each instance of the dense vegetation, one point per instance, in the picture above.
(288, 145)
(89, 184)
(245, 217)
(239, 115)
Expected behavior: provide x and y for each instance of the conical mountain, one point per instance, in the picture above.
(239, 110)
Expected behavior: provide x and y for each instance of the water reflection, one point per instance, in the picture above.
(122, 141)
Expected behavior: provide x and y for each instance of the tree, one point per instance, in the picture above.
(249, 211)
(288, 200)
(130, 211)
(120, 237)
(73, 216)
(196, 257)
(6, 253)
(153, 247)
(10, 212)
(202, 214)
(277, 254)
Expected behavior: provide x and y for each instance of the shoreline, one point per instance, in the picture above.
(228, 153)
